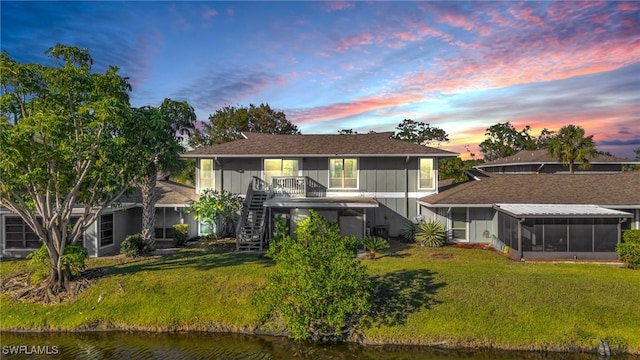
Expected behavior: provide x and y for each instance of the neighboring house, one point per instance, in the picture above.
(528, 203)
(105, 235)
(538, 161)
(368, 183)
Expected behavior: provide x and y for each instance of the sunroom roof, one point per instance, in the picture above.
(558, 210)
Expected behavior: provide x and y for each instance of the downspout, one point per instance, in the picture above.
(406, 186)
(620, 221)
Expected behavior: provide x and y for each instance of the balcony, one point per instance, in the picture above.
(297, 186)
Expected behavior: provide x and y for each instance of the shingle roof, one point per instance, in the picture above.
(540, 156)
(375, 144)
(593, 188)
(167, 193)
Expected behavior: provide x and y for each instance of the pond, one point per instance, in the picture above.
(127, 345)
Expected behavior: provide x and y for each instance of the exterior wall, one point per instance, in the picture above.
(482, 224)
(393, 181)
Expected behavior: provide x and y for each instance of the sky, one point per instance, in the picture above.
(460, 66)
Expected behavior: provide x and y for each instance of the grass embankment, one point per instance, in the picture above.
(448, 296)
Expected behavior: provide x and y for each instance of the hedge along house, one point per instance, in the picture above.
(117, 221)
(541, 216)
(368, 183)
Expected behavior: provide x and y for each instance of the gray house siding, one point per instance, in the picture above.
(392, 181)
(482, 224)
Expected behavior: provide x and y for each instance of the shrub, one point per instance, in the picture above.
(180, 234)
(318, 290)
(430, 234)
(374, 244)
(74, 262)
(133, 246)
(409, 231)
(629, 249)
(217, 208)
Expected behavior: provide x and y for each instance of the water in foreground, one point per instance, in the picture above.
(123, 345)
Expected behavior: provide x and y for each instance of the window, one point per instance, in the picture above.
(280, 167)
(206, 174)
(165, 219)
(106, 230)
(427, 174)
(459, 223)
(19, 235)
(581, 235)
(343, 173)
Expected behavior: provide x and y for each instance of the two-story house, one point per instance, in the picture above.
(368, 183)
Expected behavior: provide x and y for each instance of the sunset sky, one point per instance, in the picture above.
(460, 66)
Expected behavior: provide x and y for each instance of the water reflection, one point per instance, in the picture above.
(123, 345)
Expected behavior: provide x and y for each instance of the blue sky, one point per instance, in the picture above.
(460, 66)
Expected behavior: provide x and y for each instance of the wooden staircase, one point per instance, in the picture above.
(250, 232)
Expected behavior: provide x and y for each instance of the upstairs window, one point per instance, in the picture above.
(427, 174)
(343, 173)
(205, 180)
(280, 167)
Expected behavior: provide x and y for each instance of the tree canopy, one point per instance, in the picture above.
(158, 129)
(63, 140)
(504, 140)
(570, 146)
(420, 133)
(228, 122)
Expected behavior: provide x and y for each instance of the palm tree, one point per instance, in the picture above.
(570, 145)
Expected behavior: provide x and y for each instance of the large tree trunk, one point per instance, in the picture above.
(148, 189)
(58, 279)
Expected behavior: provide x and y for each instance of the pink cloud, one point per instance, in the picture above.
(354, 41)
(338, 6)
(209, 13)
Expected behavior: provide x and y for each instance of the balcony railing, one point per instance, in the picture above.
(296, 186)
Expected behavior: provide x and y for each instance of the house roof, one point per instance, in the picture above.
(547, 210)
(265, 145)
(605, 189)
(541, 157)
(168, 193)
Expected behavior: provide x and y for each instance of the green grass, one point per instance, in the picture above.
(448, 296)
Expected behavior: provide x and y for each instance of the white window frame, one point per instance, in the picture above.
(435, 174)
(200, 186)
(466, 222)
(343, 178)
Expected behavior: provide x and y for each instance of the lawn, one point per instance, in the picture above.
(448, 296)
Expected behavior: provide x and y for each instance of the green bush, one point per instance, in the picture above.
(631, 236)
(133, 246)
(409, 231)
(180, 234)
(629, 249)
(74, 262)
(374, 244)
(430, 234)
(319, 290)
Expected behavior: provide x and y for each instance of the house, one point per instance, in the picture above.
(116, 222)
(368, 183)
(529, 204)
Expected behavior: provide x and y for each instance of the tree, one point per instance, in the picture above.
(637, 151)
(158, 130)
(455, 168)
(227, 124)
(319, 289)
(63, 146)
(571, 145)
(504, 140)
(347, 132)
(420, 133)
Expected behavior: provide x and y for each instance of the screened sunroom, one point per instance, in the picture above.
(534, 231)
